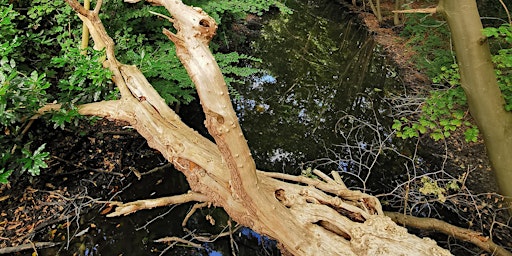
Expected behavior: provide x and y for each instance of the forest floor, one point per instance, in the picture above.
(91, 164)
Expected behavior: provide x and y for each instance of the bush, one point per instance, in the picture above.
(40, 62)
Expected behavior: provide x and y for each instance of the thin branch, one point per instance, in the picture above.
(162, 16)
(192, 211)
(98, 6)
(506, 10)
(24, 247)
(462, 234)
(421, 10)
(179, 240)
(131, 207)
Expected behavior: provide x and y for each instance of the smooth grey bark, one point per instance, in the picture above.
(478, 80)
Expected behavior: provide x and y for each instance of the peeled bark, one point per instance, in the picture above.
(478, 80)
(307, 217)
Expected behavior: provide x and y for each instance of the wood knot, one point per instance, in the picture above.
(204, 23)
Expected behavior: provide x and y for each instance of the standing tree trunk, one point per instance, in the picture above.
(398, 17)
(306, 216)
(478, 80)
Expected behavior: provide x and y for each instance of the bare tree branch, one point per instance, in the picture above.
(462, 234)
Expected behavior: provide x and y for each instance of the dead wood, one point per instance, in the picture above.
(463, 234)
(312, 217)
(23, 247)
(131, 207)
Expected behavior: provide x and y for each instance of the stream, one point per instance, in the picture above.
(319, 102)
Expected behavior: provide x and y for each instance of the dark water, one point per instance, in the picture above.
(318, 103)
(324, 78)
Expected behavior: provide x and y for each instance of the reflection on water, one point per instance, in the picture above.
(323, 78)
(319, 64)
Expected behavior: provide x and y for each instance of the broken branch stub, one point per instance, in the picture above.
(307, 217)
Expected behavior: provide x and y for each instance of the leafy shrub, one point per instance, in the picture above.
(40, 63)
(445, 109)
(503, 59)
(430, 38)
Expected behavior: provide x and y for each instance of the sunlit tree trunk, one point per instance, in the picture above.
(478, 79)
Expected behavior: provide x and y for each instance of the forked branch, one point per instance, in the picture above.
(311, 218)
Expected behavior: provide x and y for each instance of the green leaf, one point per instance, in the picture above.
(471, 134)
(4, 175)
(437, 136)
(397, 125)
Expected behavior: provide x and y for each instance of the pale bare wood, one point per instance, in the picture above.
(324, 219)
(420, 10)
(463, 234)
(124, 209)
(192, 211)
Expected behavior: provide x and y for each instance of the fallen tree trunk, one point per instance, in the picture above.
(307, 217)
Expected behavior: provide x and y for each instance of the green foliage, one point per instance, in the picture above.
(448, 75)
(142, 43)
(444, 111)
(164, 71)
(308, 172)
(40, 63)
(20, 94)
(441, 191)
(4, 175)
(430, 38)
(503, 59)
(7, 26)
(431, 187)
(4, 172)
(29, 161)
(85, 79)
(232, 73)
(33, 161)
(238, 9)
(441, 115)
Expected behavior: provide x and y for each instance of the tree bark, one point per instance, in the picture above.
(478, 80)
(312, 217)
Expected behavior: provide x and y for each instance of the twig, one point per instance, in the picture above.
(154, 219)
(85, 168)
(192, 211)
(506, 10)
(162, 16)
(23, 247)
(234, 246)
(156, 169)
(179, 240)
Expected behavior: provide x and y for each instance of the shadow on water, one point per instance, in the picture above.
(323, 79)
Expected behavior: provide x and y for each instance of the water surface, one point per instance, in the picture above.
(322, 78)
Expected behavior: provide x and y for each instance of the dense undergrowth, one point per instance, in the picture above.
(445, 110)
(40, 63)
